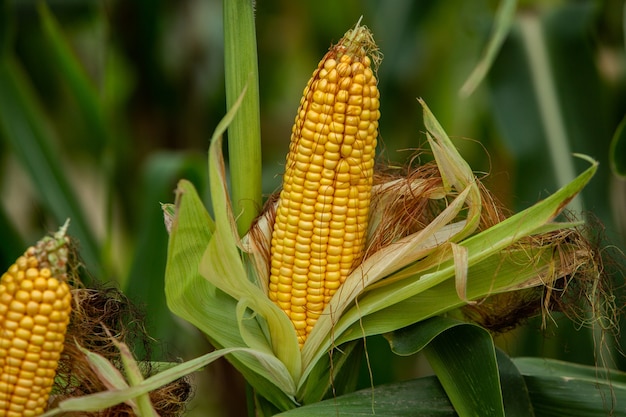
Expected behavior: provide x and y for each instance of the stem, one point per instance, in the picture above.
(534, 42)
(244, 133)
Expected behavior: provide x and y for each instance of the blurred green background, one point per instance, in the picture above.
(104, 105)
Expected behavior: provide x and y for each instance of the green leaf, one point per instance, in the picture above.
(25, 130)
(422, 397)
(244, 133)
(501, 27)
(71, 71)
(555, 389)
(463, 358)
(550, 111)
(563, 389)
(517, 401)
(617, 152)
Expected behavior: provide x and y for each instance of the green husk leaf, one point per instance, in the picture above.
(133, 373)
(223, 267)
(196, 300)
(110, 376)
(198, 244)
(455, 171)
(342, 369)
(426, 287)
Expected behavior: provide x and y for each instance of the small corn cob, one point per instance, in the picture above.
(322, 214)
(35, 305)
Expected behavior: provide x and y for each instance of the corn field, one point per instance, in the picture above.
(318, 208)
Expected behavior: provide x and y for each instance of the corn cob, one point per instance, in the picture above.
(322, 214)
(35, 304)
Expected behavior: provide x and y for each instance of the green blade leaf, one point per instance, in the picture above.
(501, 27)
(617, 152)
(517, 401)
(463, 358)
(222, 265)
(422, 397)
(556, 389)
(24, 126)
(71, 71)
(560, 389)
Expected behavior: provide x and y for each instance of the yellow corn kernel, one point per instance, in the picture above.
(322, 214)
(35, 309)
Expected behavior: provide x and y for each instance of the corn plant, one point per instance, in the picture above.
(424, 256)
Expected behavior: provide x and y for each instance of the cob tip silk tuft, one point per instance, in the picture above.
(35, 306)
(321, 219)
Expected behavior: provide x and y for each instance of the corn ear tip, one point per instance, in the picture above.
(52, 251)
(360, 40)
(63, 230)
